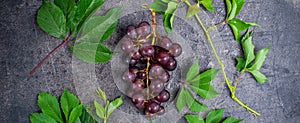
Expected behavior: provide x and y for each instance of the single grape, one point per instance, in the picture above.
(171, 65)
(155, 70)
(164, 77)
(136, 55)
(131, 31)
(165, 42)
(162, 58)
(153, 107)
(175, 50)
(147, 50)
(140, 106)
(127, 45)
(138, 98)
(138, 84)
(163, 96)
(132, 62)
(156, 86)
(159, 49)
(128, 76)
(143, 28)
(141, 75)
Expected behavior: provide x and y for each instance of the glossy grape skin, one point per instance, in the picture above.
(156, 70)
(138, 98)
(171, 65)
(128, 76)
(175, 50)
(165, 42)
(164, 77)
(138, 83)
(163, 58)
(131, 31)
(156, 86)
(143, 28)
(135, 55)
(147, 50)
(140, 106)
(153, 107)
(127, 45)
(163, 96)
(141, 75)
(159, 49)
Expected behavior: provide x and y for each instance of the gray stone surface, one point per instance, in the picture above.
(23, 45)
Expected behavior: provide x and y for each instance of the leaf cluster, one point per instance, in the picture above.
(69, 110)
(104, 111)
(251, 62)
(198, 83)
(65, 18)
(214, 116)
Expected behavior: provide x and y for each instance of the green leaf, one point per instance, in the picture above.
(68, 101)
(214, 116)
(233, 7)
(206, 91)
(240, 64)
(68, 8)
(192, 10)
(240, 4)
(75, 113)
(101, 94)
(92, 52)
(207, 4)
(193, 71)
(159, 6)
(98, 28)
(238, 26)
(114, 105)
(100, 111)
(191, 118)
(259, 59)
(248, 48)
(86, 117)
(232, 120)
(180, 103)
(196, 106)
(49, 106)
(205, 77)
(168, 17)
(228, 7)
(41, 118)
(52, 20)
(85, 8)
(260, 78)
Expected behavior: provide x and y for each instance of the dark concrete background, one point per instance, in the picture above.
(23, 45)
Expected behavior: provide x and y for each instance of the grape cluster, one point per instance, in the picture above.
(150, 60)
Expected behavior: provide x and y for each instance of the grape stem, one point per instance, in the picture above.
(228, 83)
(66, 40)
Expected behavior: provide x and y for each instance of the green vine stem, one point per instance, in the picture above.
(228, 83)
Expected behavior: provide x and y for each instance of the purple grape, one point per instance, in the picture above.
(162, 58)
(163, 96)
(138, 84)
(171, 65)
(165, 77)
(165, 42)
(156, 86)
(138, 98)
(159, 49)
(128, 76)
(141, 75)
(136, 55)
(175, 50)
(153, 107)
(147, 50)
(131, 31)
(133, 62)
(127, 45)
(140, 106)
(155, 71)
(143, 28)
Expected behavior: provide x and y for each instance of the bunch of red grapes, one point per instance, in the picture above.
(150, 60)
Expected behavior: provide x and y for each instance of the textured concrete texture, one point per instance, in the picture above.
(24, 44)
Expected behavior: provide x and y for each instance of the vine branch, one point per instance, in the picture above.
(228, 83)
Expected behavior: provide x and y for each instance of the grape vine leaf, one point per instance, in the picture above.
(86, 117)
(192, 10)
(240, 64)
(233, 8)
(92, 52)
(185, 98)
(207, 4)
(191, 118)
(41, 118)
(85, 8)
(260, 58)
(68, 102)
(51, 112)
(260, 78)
(114, 105)
(248, 48)
(193, 71)
(100, 111)
(238, 26)
(214, 116)
(232, 120)
(68, 8)
(98, 28)
(51, 19)
(159, 6)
